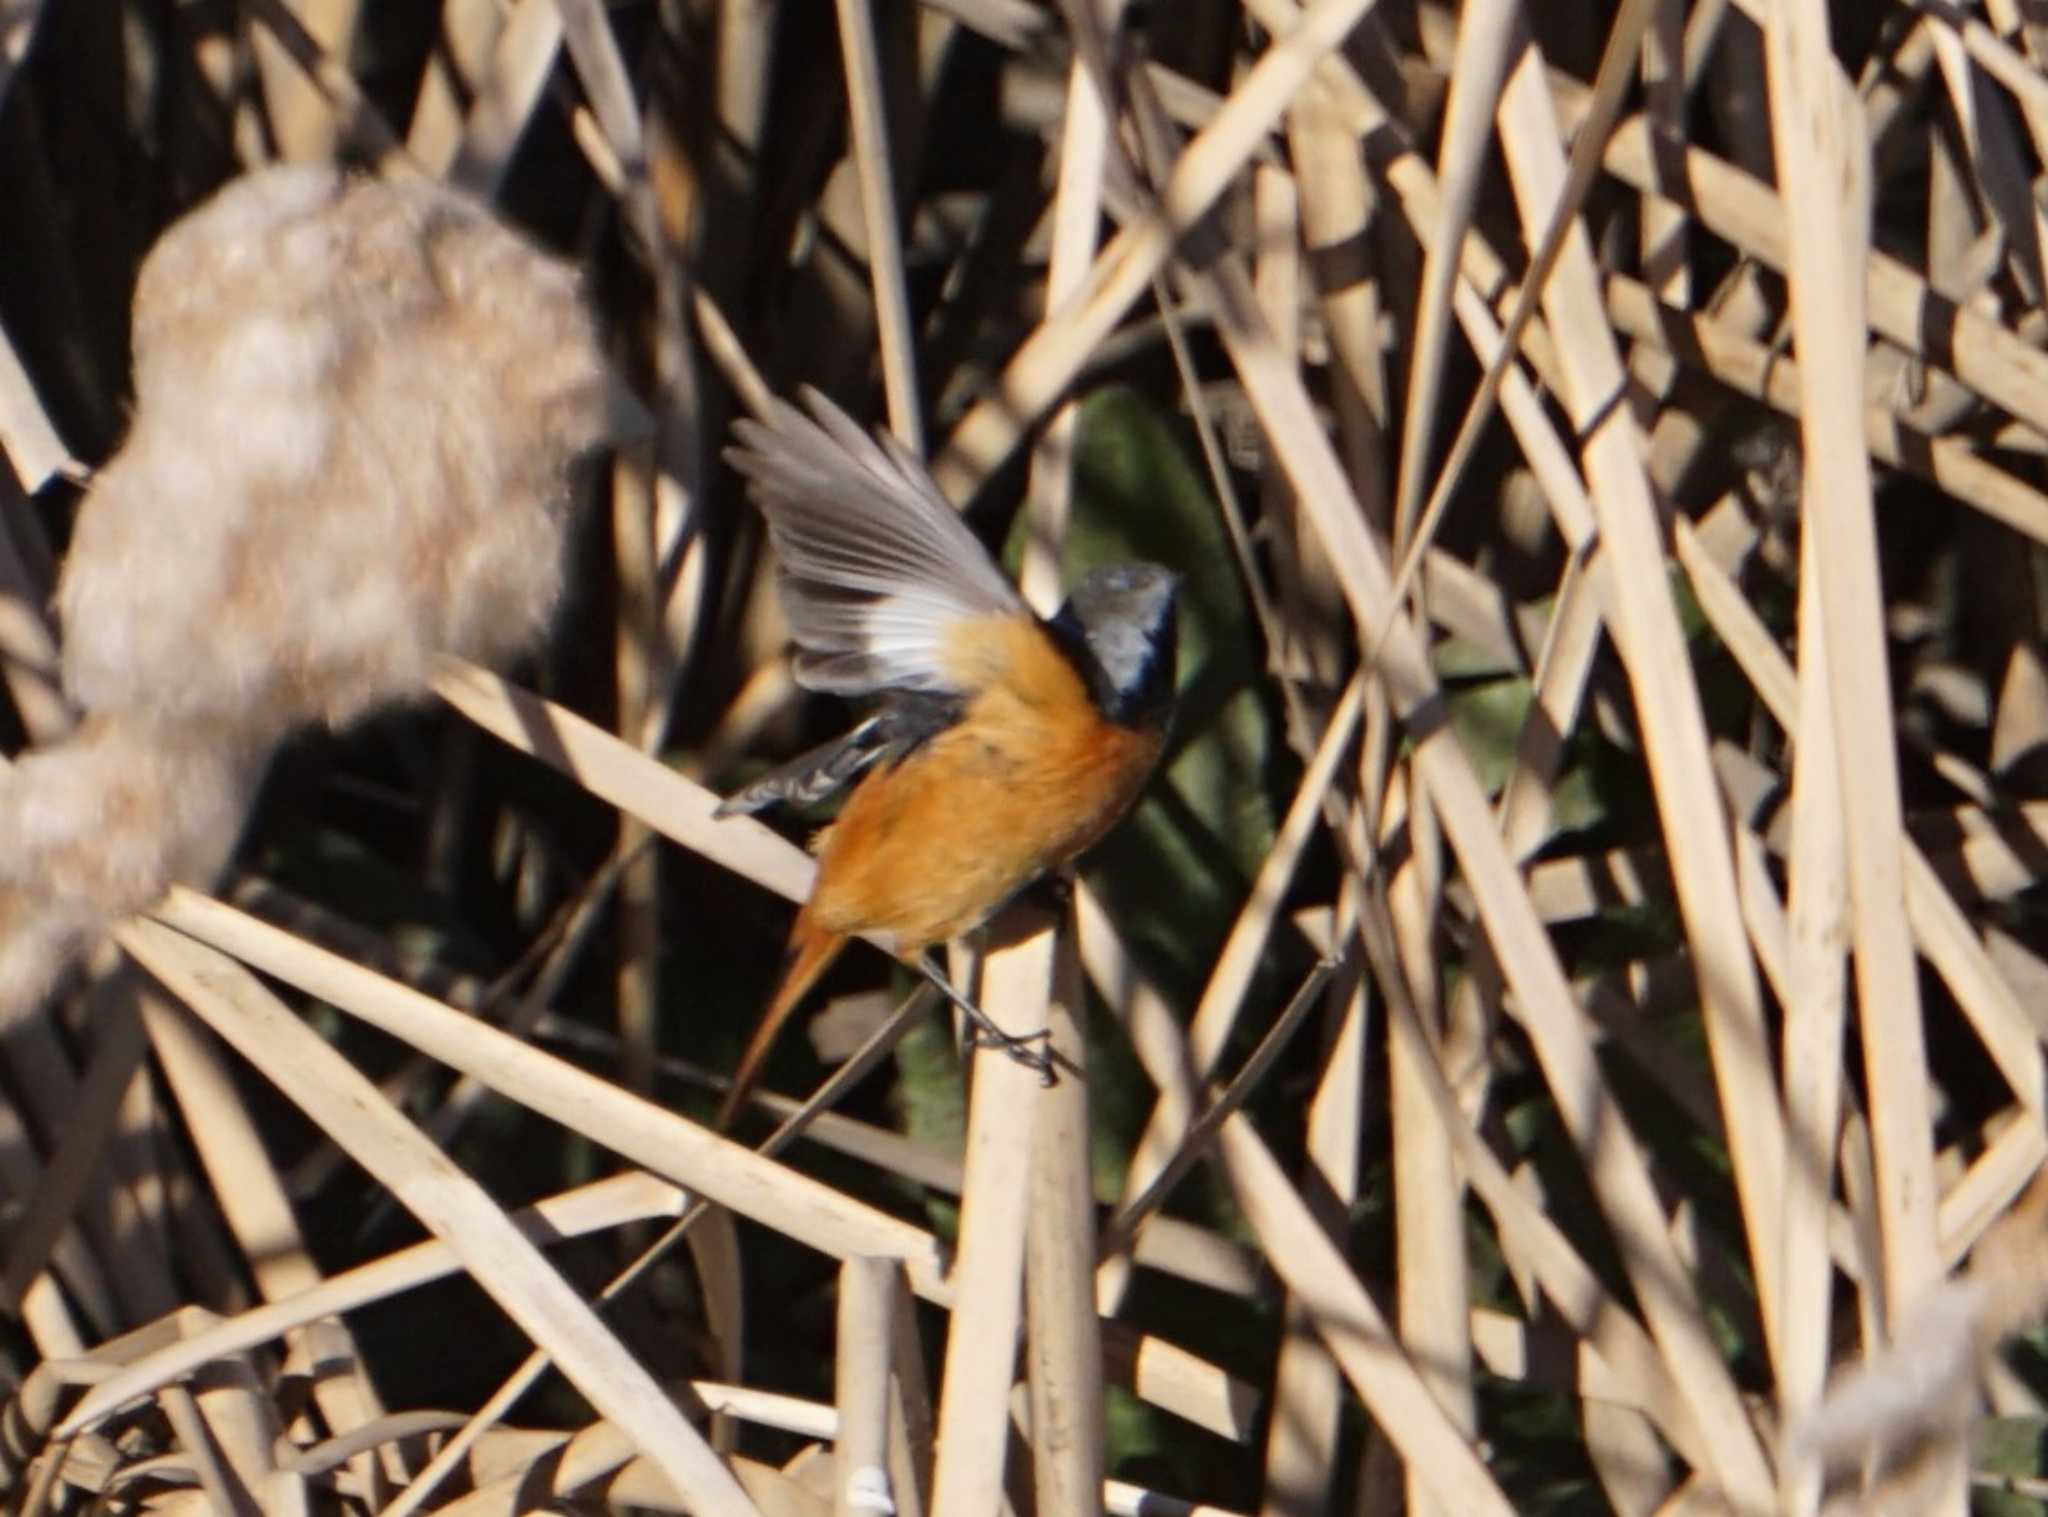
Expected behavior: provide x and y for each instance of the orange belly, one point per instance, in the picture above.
(928, 849)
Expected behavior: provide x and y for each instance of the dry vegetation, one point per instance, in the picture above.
(1576, 986)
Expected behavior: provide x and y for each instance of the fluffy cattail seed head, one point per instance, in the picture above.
(355, 407)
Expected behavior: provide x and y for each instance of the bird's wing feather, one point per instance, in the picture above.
(821, 773)
(877, 567)
(811, 776)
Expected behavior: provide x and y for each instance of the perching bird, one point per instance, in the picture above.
(1004, 745)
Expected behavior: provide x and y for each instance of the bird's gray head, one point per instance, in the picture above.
(1123, 623)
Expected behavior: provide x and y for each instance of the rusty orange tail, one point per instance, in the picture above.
(810, 953)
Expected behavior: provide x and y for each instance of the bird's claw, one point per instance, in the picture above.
(1018, 1046)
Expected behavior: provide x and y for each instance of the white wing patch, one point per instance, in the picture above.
(877, 568)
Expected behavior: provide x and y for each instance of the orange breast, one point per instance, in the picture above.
(1029, 777)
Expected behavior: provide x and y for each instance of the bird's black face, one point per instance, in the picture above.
(1123, 624)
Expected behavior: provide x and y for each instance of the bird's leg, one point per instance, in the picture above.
(1031, 1049)
(1050, 893)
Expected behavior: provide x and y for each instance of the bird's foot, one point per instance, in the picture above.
(1032, 1049)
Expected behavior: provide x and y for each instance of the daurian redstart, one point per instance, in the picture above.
(1004, 744)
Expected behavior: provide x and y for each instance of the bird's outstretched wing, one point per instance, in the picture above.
(877, 569)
